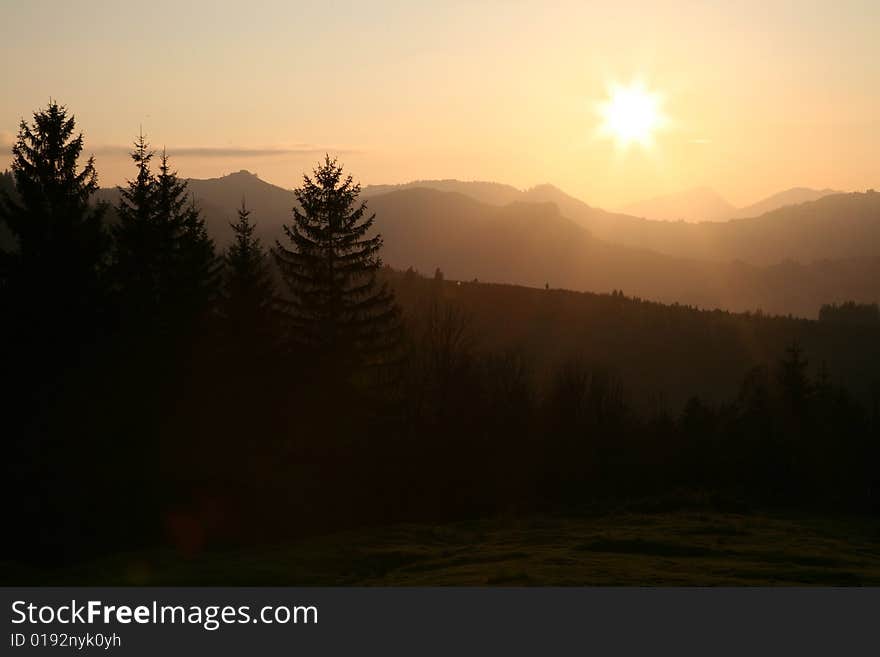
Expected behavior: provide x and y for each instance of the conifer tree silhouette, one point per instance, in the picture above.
(52, 328)
(165, 263)
(194, 273)
(337, 307)
(138, 239)
(249, 299)
(61, 241)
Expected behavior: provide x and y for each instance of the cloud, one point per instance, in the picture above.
(7, 139)
(228, 151)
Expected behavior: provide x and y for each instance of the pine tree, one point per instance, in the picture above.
(249, 302)
(61, 241)
(138, 239)
(337, 307)
(51, 327)
(168, 271)
(192, 277)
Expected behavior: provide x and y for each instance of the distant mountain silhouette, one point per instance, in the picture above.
(227, 192)
(486, 192)
(533, 243)
(698, 204)
(547, 236)
(832, 227)
(793, 196)
(498, 194)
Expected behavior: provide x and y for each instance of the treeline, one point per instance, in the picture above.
(851, 312)
(664, 352)
(156, 391)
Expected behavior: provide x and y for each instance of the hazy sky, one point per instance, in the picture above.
(760, 96)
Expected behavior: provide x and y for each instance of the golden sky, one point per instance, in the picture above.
(759, 96)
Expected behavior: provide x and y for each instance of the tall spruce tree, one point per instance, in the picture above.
(53, 303)
(193, 273)
(166, 266)
(249, 299)
(61, 242)
(138, 239)
(337, 308)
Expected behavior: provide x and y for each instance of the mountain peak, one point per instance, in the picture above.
(544, 188)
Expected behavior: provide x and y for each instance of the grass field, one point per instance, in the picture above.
(624, 548)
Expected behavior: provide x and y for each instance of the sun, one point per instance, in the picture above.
(631, 114)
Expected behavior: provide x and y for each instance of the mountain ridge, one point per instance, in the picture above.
(791, 196)
(549, 238)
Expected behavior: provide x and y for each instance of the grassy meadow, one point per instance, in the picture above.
(630, 546)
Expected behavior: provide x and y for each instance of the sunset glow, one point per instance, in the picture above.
(488, 109)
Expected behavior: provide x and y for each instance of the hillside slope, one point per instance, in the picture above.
(793, 196)
(661, 351)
